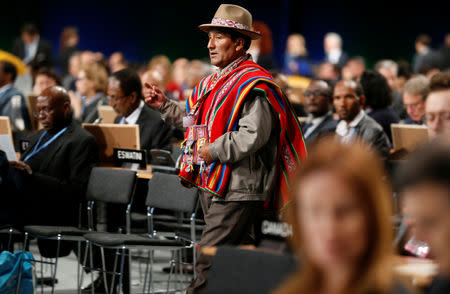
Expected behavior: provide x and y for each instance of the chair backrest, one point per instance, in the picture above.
(5, 126)
(238, 271)
(165, 191)
(111, 185)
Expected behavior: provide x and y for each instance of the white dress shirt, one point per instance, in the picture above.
(346, 131)
(334, 55)
(133, 117)
(315, 122)
(31, 50)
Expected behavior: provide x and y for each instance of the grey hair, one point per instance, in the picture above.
(334, 36)
(387, 63)
(418, 85)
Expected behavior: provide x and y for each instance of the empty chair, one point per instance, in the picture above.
(164, 192)
(243, 271)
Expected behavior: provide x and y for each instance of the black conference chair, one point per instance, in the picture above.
(10, 235)
(104, 183)
(164, 192)
(241, 271)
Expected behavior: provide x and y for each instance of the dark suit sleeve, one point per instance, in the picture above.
(381, 143)
(18, 49)
(82, 159)
(161, 137)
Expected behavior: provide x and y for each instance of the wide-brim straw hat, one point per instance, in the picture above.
(233, 17)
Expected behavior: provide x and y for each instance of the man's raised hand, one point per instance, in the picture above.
(153, 96)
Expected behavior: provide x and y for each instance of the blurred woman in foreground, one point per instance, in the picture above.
(341, 222)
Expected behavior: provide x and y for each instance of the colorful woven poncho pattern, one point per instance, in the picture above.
(230, 93)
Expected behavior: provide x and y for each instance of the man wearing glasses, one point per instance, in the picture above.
(53, 172)
(125, 93)
(320, 122)
(414, 93)
(437, 107)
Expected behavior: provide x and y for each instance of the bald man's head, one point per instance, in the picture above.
(53, 108)
(348, 99)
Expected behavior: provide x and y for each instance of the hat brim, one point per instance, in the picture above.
(252, 34)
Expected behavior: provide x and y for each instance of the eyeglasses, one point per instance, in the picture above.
(44, 110)
(413, 105)
(314, 93)
(116, 99)
(442, 116)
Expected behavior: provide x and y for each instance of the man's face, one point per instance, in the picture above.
(327, 72)
(42, 82)
(123, 105)
(346, 101)
(317, 102)
(27, 38)
(390, 75)
(437, 113)
(83, 84)
(3, 76)
(415, 106)
(223, 50)
(51, 112)
(426, 208)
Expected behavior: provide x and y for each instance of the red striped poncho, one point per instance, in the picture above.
(229, 96)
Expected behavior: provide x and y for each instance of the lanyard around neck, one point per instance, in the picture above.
(38, 148)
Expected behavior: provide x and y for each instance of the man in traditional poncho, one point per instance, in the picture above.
(243, 140)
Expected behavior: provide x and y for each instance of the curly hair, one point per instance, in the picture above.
(440, 81)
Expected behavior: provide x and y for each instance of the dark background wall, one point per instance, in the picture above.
(142, 29)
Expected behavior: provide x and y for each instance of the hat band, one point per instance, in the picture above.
(229, 23)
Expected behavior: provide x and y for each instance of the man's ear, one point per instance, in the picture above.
(133, 97)
(362, 100)
(240, 44)
(66, 106)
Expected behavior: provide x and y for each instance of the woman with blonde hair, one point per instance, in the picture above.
(340, 215)
(296, 61)
(91, 87)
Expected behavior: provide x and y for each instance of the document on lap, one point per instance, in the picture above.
(7, 146)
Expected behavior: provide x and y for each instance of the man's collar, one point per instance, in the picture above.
(5, 87)
(318, 119)
(357, 119)
(132, 118)
(237, 61)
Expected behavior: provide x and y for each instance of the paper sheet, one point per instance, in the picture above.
(7, 146)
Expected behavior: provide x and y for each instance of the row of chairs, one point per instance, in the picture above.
(165, 193)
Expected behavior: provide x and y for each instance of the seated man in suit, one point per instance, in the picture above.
(415, 92)
(349, 99)
(320, 121)
(30, 47)
(54, 170)
(125, 93)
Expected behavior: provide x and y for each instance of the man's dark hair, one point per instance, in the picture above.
(9, 68)
(129, 82)
(404, 69)
(424, 39)
(358, 59)
(440, 81)
(376, 89)
(30, 29)
(235, 35)
(49, 73)
(429, 164)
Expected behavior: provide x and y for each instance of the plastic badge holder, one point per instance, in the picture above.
(418, 248)
(197, 137)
